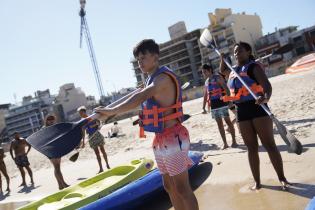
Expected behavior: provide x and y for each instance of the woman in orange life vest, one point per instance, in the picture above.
(252, 119)
(215, 88)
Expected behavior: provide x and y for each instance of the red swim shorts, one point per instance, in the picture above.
(171, 150)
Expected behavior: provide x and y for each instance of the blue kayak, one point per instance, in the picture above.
(133, 194)
(311, 205)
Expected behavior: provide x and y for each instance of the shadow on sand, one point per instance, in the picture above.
(161, 200)
(203, 147)
(4, 196)
(303, 190)
(28, 189)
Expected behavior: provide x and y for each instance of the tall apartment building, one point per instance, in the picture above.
(228, 28)
(272, 41)
(70, 98)
(303, 42)
(182, 54)
(177, 30)
(4, 109)
(25, 118)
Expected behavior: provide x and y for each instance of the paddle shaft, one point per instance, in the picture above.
(264, 57)
(95, 116)
(284, 49)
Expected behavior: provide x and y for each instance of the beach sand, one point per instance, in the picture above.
(220, 182)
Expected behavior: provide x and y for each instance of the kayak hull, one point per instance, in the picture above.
(135, 193)
(93, 188)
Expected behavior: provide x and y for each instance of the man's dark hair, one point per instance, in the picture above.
(146, 46)
(247, 47)
(207, 67)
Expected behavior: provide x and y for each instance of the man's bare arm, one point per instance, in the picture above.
(264, 82)
(29, 146)
(205, 97)
(159, 85)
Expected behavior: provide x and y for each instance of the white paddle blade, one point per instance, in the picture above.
(184, 86)
(205, 38)
(293, 143)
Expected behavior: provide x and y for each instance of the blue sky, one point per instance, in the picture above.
(39, 40)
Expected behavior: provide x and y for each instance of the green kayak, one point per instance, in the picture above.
(93, 188)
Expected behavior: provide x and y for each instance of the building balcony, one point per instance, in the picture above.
(173, 61)
(173, 53)
(18, 119)
(36, 123)
(12, 115)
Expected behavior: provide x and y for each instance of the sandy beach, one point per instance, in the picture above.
(221, 181)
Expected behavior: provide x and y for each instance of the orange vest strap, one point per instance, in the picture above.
(230, 98)
(162, 109)
(141, 133)
(173, 116)
(166, 118)
(175, 106)
(242, 92)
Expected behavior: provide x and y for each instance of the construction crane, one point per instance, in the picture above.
(84, 29)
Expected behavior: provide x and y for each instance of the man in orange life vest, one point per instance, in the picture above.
(215, 88)
(162, 114)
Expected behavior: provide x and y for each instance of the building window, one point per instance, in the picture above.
(300, 50)
(297, 39)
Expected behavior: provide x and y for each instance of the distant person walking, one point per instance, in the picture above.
(96, 139)
(51, 120)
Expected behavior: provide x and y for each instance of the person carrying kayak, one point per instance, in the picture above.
(215, 87)
(253, 120)
(161, 102)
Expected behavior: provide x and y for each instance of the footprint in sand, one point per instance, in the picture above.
(246, 189)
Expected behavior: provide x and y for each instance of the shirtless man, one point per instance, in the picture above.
(161, 102)
(18, 145)
(3, 170)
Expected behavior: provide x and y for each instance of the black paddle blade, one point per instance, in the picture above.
(57, 140)
(293, 143)
(284, 49)
(74, 157)
(186, 117)
(136, 122)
